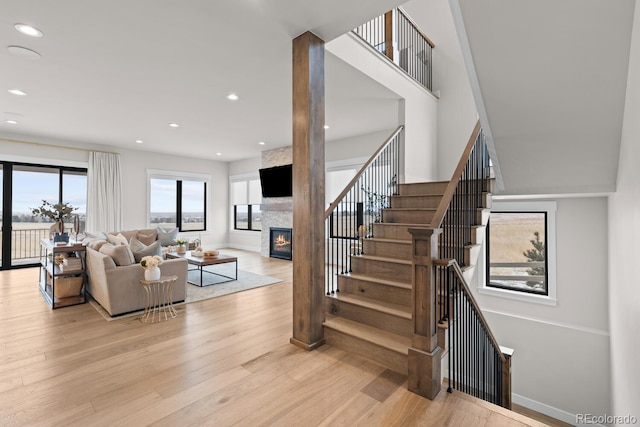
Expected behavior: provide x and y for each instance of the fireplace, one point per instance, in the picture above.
(280, 243)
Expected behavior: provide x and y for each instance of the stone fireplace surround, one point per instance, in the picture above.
(276, 211)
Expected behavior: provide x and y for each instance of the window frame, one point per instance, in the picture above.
(179, 177)
(513, 206)
(247, 178)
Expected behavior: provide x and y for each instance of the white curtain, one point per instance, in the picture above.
(104, 187)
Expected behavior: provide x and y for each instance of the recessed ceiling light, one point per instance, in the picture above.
(11, 122)
(233, 97)
(17, 92)
(174, 125)
(23, 52)
(261, 143)
(139, 141)
(28, 30)
(326, 126)
(218, 154)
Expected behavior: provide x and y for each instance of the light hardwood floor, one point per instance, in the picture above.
(222, 362)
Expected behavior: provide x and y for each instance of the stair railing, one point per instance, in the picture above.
(396, 36)
(441, 294)
(477, 364)
(350, 218)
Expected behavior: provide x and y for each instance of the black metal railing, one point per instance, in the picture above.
(477, 365)
(350, 218)
(468, 197)
(25, 243)
(396, 36)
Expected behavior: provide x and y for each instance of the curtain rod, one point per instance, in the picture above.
(55, 146)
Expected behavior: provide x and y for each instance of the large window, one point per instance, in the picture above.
(246, 196)
(177, 202)
(519, 249)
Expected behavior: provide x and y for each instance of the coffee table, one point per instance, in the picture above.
(201, 262)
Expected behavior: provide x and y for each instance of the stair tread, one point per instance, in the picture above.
(411, 209)
(385, 259)
(386, 240)
(376, 279)
(385, 339)
(373, 304)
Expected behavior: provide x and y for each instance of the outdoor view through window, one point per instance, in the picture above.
(517, 251)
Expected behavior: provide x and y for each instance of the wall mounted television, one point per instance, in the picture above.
(277, 181)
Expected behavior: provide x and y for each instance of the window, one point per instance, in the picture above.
(177, 201)
(246, 196)
(520, 251)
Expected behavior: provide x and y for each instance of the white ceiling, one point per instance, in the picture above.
(114, 72)
(552, 80)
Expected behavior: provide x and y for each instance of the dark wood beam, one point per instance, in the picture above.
(308, 191)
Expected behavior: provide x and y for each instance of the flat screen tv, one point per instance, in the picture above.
(277, 181)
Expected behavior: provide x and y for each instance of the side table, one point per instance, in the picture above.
(159, 304)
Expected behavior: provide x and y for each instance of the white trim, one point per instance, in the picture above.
(579, 328)
(168, 174)
(44, 161)
(244, 177)
(545, 409)
(346, 164)
(549, 196)
(244, 247)
(550, 207)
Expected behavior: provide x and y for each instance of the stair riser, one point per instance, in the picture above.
(418, 189)
(383, 356)
(387, 249)
(367, 316)
(415, 201)
(382, 269)
(390, 231)
(374, 290)
(407, 216)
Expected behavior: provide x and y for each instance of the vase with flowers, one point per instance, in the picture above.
(182, 245)
(151, 263)
(58, 213)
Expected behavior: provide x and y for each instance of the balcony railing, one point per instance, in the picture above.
(398, 38)
(25, 243)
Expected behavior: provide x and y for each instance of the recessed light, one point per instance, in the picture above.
(139, 141)
(326, 126)
(233, 97)
(11, 122)
(17, 92)
(23, 52)
(174, 125)
(261, 143)
(28, 30)
(218, 154)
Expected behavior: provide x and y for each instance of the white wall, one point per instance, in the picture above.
(561, 364)
(134, 177)
(624, 249)
(457, 114)
(418, 110)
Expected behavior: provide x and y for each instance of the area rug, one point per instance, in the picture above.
(245, 282)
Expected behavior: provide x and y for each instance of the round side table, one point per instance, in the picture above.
(159, 302)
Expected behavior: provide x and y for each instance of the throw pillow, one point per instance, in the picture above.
(117, 240)
(167, 237)
(147, 237)
(140, 250)
(96, 235)
(121, 254)
(96, 244)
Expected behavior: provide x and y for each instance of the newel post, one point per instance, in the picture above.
(424, 354)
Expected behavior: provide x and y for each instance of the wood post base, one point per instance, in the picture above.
(306, 346)
(424, 372)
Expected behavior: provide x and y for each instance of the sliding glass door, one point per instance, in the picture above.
(25, 186)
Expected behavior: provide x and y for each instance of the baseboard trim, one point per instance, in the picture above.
(545, 409)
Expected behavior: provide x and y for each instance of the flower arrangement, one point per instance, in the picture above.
(181, 241)
(150, 261)
(56, 212)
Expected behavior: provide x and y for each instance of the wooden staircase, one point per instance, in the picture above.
(371, 313)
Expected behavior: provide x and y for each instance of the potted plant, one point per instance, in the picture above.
(58, 212)
(182, 245)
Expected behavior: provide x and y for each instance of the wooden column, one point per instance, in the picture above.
(308, 191)
(425, 354)
(388, 35)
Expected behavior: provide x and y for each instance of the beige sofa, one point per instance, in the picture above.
(117, 287)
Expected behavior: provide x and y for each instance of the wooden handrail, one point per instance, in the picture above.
(437, 219)
(453, 264)
(348, 187)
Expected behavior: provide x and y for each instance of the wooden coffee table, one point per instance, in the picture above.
(201, 262)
